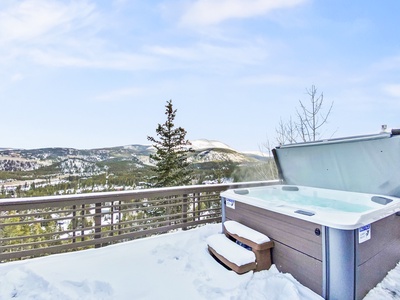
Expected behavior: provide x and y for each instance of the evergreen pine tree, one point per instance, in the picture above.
(172, 167)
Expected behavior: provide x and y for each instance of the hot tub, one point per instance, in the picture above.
(339, 242)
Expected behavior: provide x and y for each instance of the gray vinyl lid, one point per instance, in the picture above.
(367, 164)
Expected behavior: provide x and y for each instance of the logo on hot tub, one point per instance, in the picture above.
(230, 203)
(364, 233)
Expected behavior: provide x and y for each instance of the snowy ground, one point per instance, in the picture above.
(171, 266)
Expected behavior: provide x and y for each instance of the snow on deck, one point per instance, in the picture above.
(169, 266)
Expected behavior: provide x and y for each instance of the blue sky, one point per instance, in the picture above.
(91, 74)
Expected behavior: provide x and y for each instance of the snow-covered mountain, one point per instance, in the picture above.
(73, 161)
(203, 144)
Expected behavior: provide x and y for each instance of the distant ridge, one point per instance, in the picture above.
(198, 144)
(70, 160)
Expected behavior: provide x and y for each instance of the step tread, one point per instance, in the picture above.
(230, 250)
(241, 230)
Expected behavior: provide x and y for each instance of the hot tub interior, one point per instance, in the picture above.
(333, 208)
(319, 198)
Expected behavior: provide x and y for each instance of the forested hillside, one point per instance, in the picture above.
(51, 171)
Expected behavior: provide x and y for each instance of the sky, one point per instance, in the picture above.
(92, 74)
(170, 266)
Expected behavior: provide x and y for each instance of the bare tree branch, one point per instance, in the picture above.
(310, 118)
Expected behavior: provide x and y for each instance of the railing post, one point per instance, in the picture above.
(97, 223)
(83, 222)
(198, 206)
(112, 219)
(194, 202)
(2, 244)
(74, 223)
(119, 217)
(184, 211)
(223, 203)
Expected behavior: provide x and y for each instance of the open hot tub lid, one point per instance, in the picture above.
(366, 164)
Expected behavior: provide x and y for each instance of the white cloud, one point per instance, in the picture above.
(116, 95)
(96, 59)
(33, 20)
(275, 79)
(73, 33)
(237, 54)
(47, 32)
(389, 63)
(214, 55)
(174, 52)
(76, 34)
(392, 90)
(16, 77)
(211, 12)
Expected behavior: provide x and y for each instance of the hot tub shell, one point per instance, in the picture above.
(338, 251)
